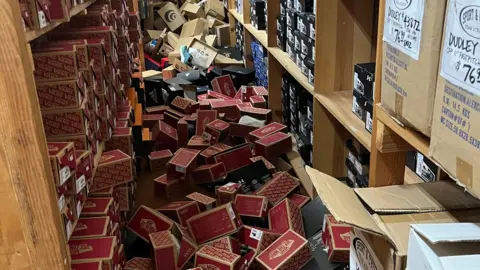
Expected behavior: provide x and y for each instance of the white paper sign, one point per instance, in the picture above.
(461, 50)
(403, 25)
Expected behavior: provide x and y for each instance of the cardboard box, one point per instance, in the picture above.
(251, 206)
(62, 160)
(225, 219)
(114, 168)
(61, 94)
(240, 130)
(165, 250)
(298, 200)
(258, 102)
(55, 62)
(227, 193)
(86, 265)
(182, 163)
(193, 11)
(222, 33)
(165, 136)
(224, 85)
(215, 9)
(84, 160)
(122, 140)
(203, 118)
(138, 263)
(180, 211)
(94, 249)
(278, 188)
(215, 131)
(96, 32)
(202, 53)
(443, 201)
(208, 174)
(258, 239)
(182, 133)
(164, 186)
(226, 243)
(273, 145)
(67, 122)
(234, 158)
(171, 16)
(194, 28)
(267, 163)
(229, 107)
(146, 221)
(98, 207)
(286, 216)
(204, 202)
(289, 251)
(209, 256)
(197, 142)
(266, 131)
(182, 104)
(413, 104)
(336, 239)
(208, 153)
(92, 227)
(159, 159)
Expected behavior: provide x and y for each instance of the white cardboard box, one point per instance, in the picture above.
(444, 246)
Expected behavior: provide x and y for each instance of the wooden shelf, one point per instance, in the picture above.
(339, 104)
(33, 34)
(414, 138)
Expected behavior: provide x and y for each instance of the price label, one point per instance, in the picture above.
(206, 136)
(69, 228)
(64, 174)
(403, 25)
(256, 234)
(369, 122)
(180, 169)
(461, 50)
(61, 202)
(81, 182)
(79, 208)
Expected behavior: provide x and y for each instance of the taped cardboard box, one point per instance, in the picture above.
(94, 249)
(215, 9)
(171, 16)
(406, 95)
(369, 212)
(193, 11)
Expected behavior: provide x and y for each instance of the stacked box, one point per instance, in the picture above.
(358, 163)
(363, 93)
(258, 14)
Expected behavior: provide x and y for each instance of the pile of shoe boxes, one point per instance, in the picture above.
(296, 34)
(258, 14)
(260, 63)
(358, 164)
(363, 87)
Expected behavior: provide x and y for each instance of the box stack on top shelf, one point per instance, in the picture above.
(258, 14)
(364, 84)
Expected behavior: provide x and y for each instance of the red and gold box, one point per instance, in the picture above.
(286, 216)
(92, 227)
(208, 153)
(96, 32)
(182, 104)
(278, 188)
(146, 221)
(229, 107)
(187, 245)
(299, 200)
(224, 85)
(81, 142)
(84, 160)
(209, 257)
(215, 131)
(216, 95)
(203, 118)
(67, 122)
(183, 162)
(159, 159)
(258, 102)
(197, 142)
(106, 192)
(114, 168)
(121, 140)
(208, 174)
(257, 239)
(204, 202)
(225, 219)
(94, 249)
(235, 158)
(240, 130)
(182, 133)
(165, 136)
(251, 206)
(227, 243)
(81, 46)
(290, 251)
(99, 207)
(124, 198)
(267, 130)
(336, 239)
(164, 186)
(97, 52)
(62, 160)
(227, 193)
(165, 251)
(150, 120)
(180, 211)
(259, 113)
(260, 91)
(138, 263)
(86, 265)
(273, 145)
(267, 163)
(61, 94)
(55, 62)
(171, 118)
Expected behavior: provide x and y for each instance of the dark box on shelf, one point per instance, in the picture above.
(303, 5)
(306, 24)
(292, 18)
(290, 50)
(358, 105)
(364, 79)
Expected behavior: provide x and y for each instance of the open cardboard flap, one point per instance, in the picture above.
(296, 162)
(415, 206)
(449, 233)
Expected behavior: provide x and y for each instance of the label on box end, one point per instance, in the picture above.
(64, 174)
(256, 234)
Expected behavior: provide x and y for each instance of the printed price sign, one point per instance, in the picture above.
(403, 25)
(461, 50)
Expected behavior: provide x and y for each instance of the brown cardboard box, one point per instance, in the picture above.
(223, 34)
(369, 211)
(214, 22)
(193, 11)
(159, 159)
(406, 95)
(165, 250)
(257, 239)
(94, 249)
(203, 55)
(211, 40)
(138, 263)
(215, 8)
(215, 258)
(172, 16)
(336, 239)
(180, 211)
(204, 202)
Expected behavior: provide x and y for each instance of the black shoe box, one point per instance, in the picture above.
(304, 147)
(422, 166)
(306, 24)
(308, 69)
(310, 108)
(296, 39)
(299, 59)
(282, 23)
(304, 5)
(281, 41)
(153, 91)
(240, 75)
(369, 116)
(364, 79)
(290, 50)
(358, 105)
(292, 18)
(290, 37)
(306, 128)
(290, 3)
(307, 45)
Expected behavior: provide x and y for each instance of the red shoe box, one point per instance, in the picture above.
(203, 118)
(121, 257)
(171, 118)
(259, 113)
(258, 239)
(164, 186)
(138, 263)
(104, 32)
(165, 136)
(98, 207)
(86, 265)
(124, 198)
(286, 216)
(156, 109)
(260, 91)
(267, 163)
(150, 120)
(227, 243)
(235, 158)
(183, 162)
(67, 122)
(182, 104)
(336, 239)
(224, 85)
(278, 188)
(209, 257)
(266, 131)
(121, 140)
(180, 211)
(290, 252)
(225, 219)
(251, 206)
(187, 245)
(208, 174)
(92, 227)
(208, 153)
(258, 102)
(204, 105)
(273, 145)
(217, 95)
(106, 192)
(146, 221)
(114, 168)
(298, 200)
(240, 130)
(94, 249)
(62, 160)
(55, 62)
(204, 202)
(159, 159)
(227, 193)
(197, 142)
(61, 94)
(215, 131)
(84, 162)
(229, 107)
(182, 133)
(244, 104)
(164, 250)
